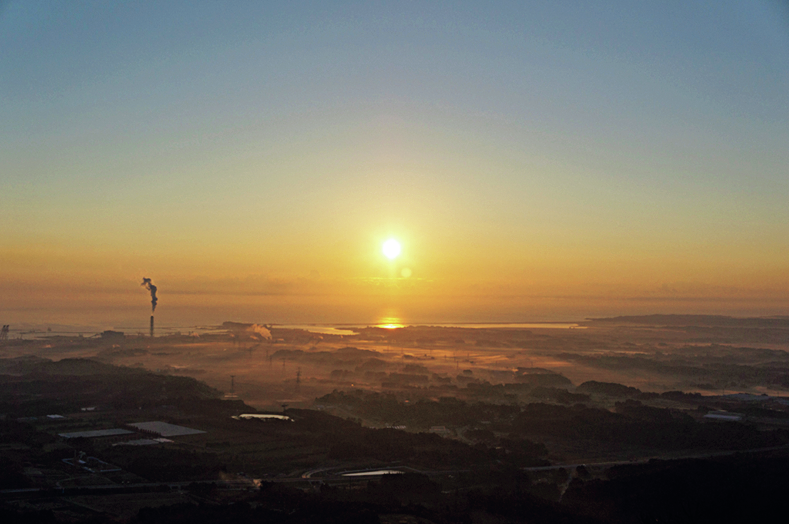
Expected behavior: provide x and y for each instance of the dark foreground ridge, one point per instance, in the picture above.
(481, 458)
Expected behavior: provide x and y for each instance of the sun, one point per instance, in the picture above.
(391, 249)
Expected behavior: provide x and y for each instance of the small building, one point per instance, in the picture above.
(97, 433)
(263, 416)
(164, 429)
(92, 464)
(144, 442)
(724, 416)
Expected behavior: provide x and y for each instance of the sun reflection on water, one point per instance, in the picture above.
(389, 323)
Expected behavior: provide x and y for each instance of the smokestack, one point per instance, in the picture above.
(150, 287)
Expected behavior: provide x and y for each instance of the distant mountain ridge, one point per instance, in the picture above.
(697, 320)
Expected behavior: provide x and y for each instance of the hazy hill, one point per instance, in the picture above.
(697, 320)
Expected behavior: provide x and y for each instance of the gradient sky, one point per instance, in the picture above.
(537, 160)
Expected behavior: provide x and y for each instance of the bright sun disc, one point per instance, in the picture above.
(391, 248)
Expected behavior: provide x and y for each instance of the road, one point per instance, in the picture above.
(310, 477)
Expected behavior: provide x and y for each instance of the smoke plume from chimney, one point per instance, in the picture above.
(150, 287)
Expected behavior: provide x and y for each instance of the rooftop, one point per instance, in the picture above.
(144, 442)
(262, 416)
(96, 433)
(164, 429)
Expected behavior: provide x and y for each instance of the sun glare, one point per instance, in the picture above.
(390, 323)
(391, 249)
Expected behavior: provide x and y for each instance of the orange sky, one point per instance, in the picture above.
(535, 162)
